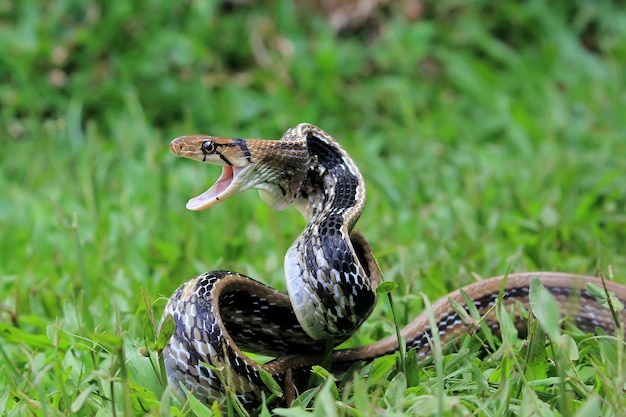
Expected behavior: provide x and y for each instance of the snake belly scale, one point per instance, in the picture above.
(331, 277)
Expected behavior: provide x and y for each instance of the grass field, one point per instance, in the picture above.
(491, 135)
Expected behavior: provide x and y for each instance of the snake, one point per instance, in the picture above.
(220, 318)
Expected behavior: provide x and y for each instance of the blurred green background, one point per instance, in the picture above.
(491, 136)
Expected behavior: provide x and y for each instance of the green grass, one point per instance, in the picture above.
(490, 134)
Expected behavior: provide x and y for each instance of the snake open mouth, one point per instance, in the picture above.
(222, 189)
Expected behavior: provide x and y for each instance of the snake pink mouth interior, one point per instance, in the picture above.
(216, 193)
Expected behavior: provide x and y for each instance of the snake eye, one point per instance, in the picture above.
(208, 147)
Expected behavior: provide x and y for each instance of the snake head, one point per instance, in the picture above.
(275, 168)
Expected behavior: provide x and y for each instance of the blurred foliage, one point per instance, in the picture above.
(214, 66)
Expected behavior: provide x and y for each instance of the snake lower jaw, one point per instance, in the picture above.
(224, 187)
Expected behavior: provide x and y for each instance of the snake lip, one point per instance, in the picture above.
(224, 187)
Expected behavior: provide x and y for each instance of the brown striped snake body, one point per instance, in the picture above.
(331, 277)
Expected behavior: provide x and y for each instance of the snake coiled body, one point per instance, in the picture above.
(331, 276)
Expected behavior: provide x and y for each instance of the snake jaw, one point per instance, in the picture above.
(226, 186)
(231, 154)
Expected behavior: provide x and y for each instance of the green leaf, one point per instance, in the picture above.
(502, 372)
(605, 299)
(568, 347)
(325, 401)
(80, 399)
(396, 390)
(386, 287)
(166, 331)
(17, 335)
(460, 310)
(381, 367)
(590, 408)
(265, 412)
(197, 406)
(3, 400)
(143, 399)
(546, 309)
(412, 368)
(508, 331)
(321, 372)
(536, 354)
(270, 383)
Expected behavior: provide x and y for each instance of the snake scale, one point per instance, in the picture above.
(331, 276)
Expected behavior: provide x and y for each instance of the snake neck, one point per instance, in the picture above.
(331, 274)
